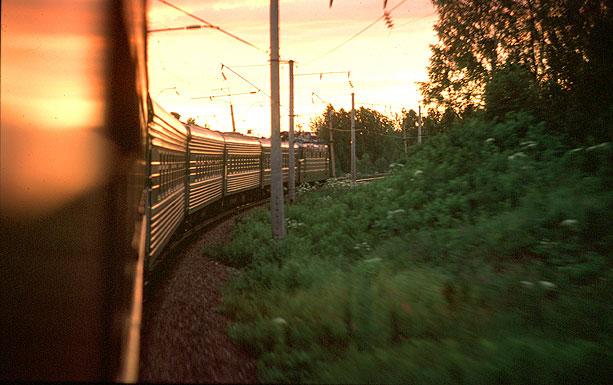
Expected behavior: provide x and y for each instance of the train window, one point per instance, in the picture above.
(171, 174)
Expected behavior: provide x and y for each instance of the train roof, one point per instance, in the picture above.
(235, 137)
(162, 117)
(267, 142)
(205, 133)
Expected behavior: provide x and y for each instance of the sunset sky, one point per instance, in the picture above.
(384, 63)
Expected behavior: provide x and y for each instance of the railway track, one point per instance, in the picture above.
(372, 178)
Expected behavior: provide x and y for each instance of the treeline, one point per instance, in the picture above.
(551, 58)
(380, 140)
(548, 58)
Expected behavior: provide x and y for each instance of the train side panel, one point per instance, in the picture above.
(243, 155)
(166, 179)
(206, 168)
(314, 162)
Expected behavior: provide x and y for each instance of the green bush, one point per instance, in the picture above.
(485, 258)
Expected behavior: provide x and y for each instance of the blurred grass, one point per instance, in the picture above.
(484, 258)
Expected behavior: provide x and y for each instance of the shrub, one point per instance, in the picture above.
(485, 258)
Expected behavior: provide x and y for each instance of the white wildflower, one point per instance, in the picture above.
(547, 285)
(418, 173)
(490, 140)
(279, 321)
(527, 284)
(373, 260)
(528, 144)
(362, 246)
(598, 146)
(569, 222)
(517, 155)
(393, 213)
(574, 150)
(293, 224)
(546, 242)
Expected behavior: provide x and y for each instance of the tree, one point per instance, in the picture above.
(564, 45)
(377, 138)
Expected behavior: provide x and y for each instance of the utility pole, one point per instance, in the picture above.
(419, 123)
(404, 136)
(353, 162)
(331, 132)
(276, 182)
(292, 166)
(232, 115)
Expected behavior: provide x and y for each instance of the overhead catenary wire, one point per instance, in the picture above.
(185, 28)
(244, 79)
(356, 34)
(212, 26)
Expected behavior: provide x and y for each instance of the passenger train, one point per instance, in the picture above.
(195, 172)
(96, 179)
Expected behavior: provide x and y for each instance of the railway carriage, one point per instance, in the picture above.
(266, 168)
(314, 162)
(206, 151)
(166, 192)
(242, 165)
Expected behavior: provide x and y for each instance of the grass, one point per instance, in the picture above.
(484, 258)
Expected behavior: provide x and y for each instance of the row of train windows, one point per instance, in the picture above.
(172, 167)
(284, 160)
(208, 167)
(242, 163)
(318, 153)
(172, 173)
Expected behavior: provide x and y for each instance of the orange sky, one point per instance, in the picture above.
(384, 63)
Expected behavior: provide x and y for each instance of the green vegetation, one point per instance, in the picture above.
(484, 258)
(379, 143)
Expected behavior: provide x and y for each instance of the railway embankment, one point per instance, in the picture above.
(184, 337)
(484, 258)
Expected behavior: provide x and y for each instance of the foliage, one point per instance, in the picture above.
(484, 258)
(378, 143)
(562, 44)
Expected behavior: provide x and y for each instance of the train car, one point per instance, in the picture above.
(313, 163)
(206, 167)
(266, 169)
(242, 163)
(265, 144)
(285, 161)
(166, 179)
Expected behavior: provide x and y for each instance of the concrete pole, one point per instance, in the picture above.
(331, 133)
(404, 137)
(353, 161)
(419, 123)
(276, 182)
(232, 115)
(292, 166)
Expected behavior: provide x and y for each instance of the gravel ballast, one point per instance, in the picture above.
(184, 337)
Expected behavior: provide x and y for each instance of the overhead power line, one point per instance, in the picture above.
(358, 33)
(210, 25)
(242, 77)
(186, 28)
(211, 97)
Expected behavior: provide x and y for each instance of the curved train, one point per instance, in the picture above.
(96, 179)
(194, 171)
